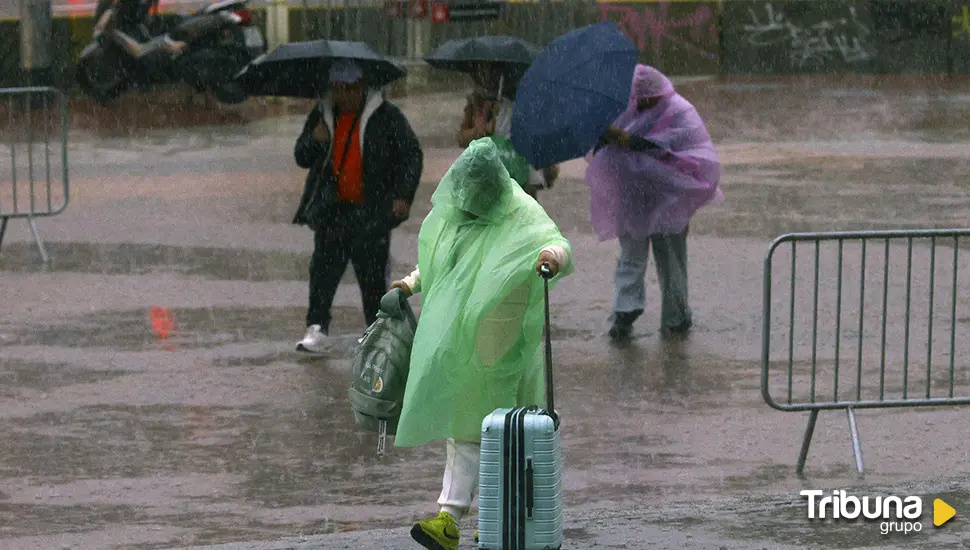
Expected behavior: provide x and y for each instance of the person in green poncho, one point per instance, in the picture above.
(478, 343)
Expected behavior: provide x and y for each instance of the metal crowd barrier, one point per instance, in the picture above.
(870, 320)
(35, 134)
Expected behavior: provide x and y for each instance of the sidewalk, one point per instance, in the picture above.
(738, 523)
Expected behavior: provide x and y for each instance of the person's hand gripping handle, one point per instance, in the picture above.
(547, 267)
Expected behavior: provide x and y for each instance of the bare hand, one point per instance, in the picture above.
(546, 258)
(612, 132)
(321, 133)
(402, 209)
(403, 286)
(615, 135)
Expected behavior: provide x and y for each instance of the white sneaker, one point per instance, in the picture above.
(315, 341)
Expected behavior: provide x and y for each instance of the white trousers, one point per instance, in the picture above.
(461, 478)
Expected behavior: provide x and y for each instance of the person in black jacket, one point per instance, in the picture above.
(364, 164)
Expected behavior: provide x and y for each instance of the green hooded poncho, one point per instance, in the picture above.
(477, 252)
(516, 164)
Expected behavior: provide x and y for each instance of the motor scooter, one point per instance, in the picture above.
(220, 38)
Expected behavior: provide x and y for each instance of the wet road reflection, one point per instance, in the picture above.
(167, 425)
(226, 264)
(197, 328)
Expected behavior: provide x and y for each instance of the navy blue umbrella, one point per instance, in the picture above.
(301, 69)
(572, 92)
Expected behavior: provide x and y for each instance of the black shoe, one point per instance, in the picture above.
(678, 330)
(623, 324)
(620, 331)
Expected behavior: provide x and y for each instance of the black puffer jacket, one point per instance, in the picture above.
(392, 164)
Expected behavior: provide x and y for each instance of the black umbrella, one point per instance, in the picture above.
(302, 69)
(511, 55)
(463, 55)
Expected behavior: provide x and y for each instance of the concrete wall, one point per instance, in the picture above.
(730, 37)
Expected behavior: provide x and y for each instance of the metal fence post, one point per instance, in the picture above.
(36, 22)
(809, 379)
(37, 144)
(277, 24)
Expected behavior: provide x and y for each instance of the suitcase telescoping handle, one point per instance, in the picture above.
(546, 274)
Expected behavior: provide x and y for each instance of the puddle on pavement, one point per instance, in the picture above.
(812, 194)
(301, 465)
(768, 474)
(228, 264)
(17, 375)
(669, 372)
(299, 455)
(141, 259)
(46, 519)
(825, 194)
(173, 329)
(154, 328)
(135, 442)
(264, 360)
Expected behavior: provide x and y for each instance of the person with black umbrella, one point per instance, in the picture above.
(365, 164)
(485, 112)
(495, 63)
(488, 112)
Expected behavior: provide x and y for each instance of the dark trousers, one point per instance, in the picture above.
(333, 247)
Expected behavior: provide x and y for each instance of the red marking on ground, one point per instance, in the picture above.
(162, 323)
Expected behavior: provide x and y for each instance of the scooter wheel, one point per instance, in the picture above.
(102, 88)
(104, 96)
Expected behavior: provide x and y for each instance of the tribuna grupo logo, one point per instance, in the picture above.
(896, 514)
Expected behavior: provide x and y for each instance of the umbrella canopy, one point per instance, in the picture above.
(463, 55)
(572, 92)
(510, 55)
(301, 69)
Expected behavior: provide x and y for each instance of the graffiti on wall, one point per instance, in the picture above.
(846, 38)
(961, 23)
(656, 32)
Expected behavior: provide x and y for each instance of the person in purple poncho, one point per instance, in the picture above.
(648, 175)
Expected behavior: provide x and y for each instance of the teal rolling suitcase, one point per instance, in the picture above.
(520, 504)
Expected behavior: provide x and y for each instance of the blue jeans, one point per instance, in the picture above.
(670, 254)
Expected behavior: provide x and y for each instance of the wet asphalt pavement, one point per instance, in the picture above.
(150, 396)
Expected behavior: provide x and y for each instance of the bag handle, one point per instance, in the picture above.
(546, 273)
(395, 304)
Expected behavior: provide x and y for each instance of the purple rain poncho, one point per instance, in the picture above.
(639, 194)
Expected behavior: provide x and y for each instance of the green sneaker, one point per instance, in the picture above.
(476, 536)
(439, 533)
